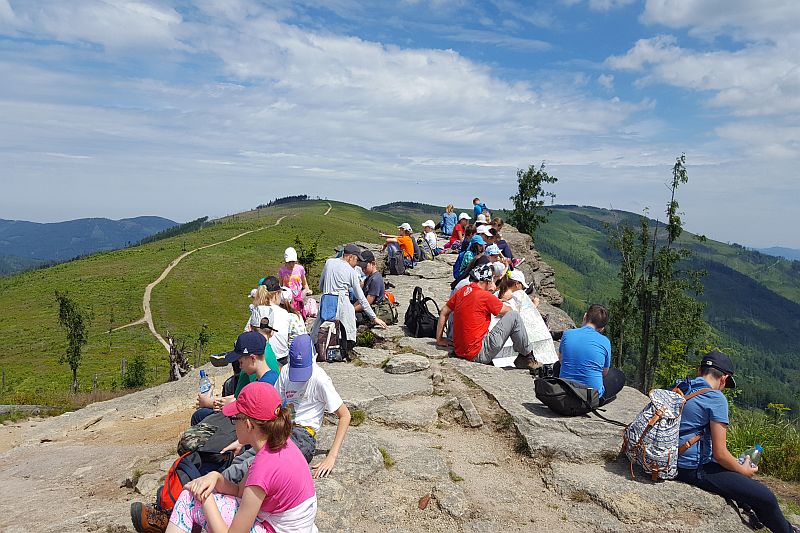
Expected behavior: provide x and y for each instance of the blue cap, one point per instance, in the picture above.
(301, 358)
(492, 249)
(249, 343)
(478, 239)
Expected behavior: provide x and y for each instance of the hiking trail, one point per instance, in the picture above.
(148, 315)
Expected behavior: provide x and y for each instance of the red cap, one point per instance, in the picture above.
(258, 400)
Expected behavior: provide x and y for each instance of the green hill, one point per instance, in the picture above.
(207, 287)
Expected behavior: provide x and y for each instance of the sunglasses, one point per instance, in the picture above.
(234, 418)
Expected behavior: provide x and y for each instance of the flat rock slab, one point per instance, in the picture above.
(372, 356)
(420, 412)
(361, 387)
(407, 364)
(661, 506)
(359, 457)
(432, 270)
(392, 332)
(424, 346)
(579, 439)
(423, 464)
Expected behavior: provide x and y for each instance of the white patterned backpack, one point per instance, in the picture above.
(651, 440)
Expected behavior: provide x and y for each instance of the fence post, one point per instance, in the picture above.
(124, 367)
(94, 383)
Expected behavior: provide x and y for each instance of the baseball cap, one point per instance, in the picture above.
(428, 223)
(462, 216)
(492, 249)
(500, 269)
(478, 239)
(262, 316)
(481, 219)
(290, 254)
(367, 256)
(406, 226)
(721, 362)
(253, 293)
(271, 283)
(517, 275)
(301, 358)
(258, 400)
(352, 249)
(484, 229)
(483, 272)
(248, 343)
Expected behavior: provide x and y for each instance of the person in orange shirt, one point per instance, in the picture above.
(403, 240)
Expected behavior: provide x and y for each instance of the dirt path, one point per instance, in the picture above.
(148, 291)
(329, 209)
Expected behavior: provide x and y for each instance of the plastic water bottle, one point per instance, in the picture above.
(755, 454)
(205, 384)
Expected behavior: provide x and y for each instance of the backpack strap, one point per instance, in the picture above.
(692, 441)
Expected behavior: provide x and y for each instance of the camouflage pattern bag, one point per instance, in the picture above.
(195, 437)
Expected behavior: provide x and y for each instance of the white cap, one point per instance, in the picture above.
(428, 223)
(261, 311)
(463, 216)
(253, 293)
(517, 275)
(499, 268)
(406, 226)
(492, 249)
(481, 219)
(484, 229)
(290, 255)
(286, 294)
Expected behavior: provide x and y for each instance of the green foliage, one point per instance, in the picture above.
(74, 321)
(180, 229)
(357, 417)
(307, 249)
(136, 373)
(655, 323)
(365, 338)
(779, 437)
(529, 212)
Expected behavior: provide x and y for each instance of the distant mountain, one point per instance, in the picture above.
(25, 241)
(781, 251)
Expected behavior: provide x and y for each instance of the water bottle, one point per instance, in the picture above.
(755, 454)
(205, 384)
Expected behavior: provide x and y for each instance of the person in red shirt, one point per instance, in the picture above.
(458, 230)
(472, 307)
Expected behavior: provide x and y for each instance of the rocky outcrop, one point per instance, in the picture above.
(536, 271)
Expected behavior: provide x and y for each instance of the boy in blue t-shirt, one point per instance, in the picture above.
(707, 463)
(584, 356)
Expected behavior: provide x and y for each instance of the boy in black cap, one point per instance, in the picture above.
(706, 461)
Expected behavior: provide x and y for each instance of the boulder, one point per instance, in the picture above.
(406, 364)
(359, 457)
(557, 319)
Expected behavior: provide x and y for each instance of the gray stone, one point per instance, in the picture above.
(407, 364)
(424, 346)
(473, 418)
(424, 464)
(420, 412)
(392, 332)
(360, 387)
(451, 499)
(557, 319)
(358, 459)
(664, 506)
(432, 270)
(371, 356)
(148, 484)
(449, 259)
(579, 439)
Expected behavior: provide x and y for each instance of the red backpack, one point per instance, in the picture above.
(180, 473)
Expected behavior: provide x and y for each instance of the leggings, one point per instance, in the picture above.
(189, 512)
(743, 490)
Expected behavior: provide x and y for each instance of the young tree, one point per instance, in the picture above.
(655, 324)
(74, 321)
(529, 202)
(202, 339)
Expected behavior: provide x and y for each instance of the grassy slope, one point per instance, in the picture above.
(209, 286)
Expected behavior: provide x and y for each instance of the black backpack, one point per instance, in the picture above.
(395, 260)
(419, 320)
(566, 397)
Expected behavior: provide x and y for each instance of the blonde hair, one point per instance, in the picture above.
(449, 208)
(262, 296)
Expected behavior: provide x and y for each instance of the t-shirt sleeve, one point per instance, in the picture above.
(451, 303)
(493, 303)
(607, 346)
(327, 394)
(271, 360)
(718, 407)
(259, 474)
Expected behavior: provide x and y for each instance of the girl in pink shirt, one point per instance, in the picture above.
(277, 494)
(293, 275)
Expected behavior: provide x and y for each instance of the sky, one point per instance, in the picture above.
(181, 108)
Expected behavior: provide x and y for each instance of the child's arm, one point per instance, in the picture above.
(325, 467)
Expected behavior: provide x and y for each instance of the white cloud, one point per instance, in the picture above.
(601, 5)
(606, 81)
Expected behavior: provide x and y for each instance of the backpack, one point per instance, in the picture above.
(417, 251)
(395, 260)
(565, 396)
(425, 249)
(418, 319)
(386, 311)
(457, 264)
(328, 342)
(651, 440)
(328, 307)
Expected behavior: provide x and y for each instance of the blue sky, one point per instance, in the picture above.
(189, 108)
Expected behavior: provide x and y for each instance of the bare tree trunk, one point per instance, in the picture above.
(178, 364)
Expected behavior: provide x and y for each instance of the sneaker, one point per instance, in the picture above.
(526, 362)
(148, 518)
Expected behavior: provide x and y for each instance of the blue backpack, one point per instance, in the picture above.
(457, 264)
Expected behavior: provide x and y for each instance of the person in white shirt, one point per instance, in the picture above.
(430, 236)
(267, 303)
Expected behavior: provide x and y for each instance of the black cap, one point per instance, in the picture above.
(367, 256)
(352, 249)
(271, 283)
(721, 362)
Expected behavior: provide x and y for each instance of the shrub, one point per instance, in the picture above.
(779, 436)
(366, 339)
(136, 374)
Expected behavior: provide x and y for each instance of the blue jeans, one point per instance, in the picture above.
(199, 415)
(743, 490)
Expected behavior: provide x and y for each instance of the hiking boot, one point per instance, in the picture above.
(526, 362)
(148, 518)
